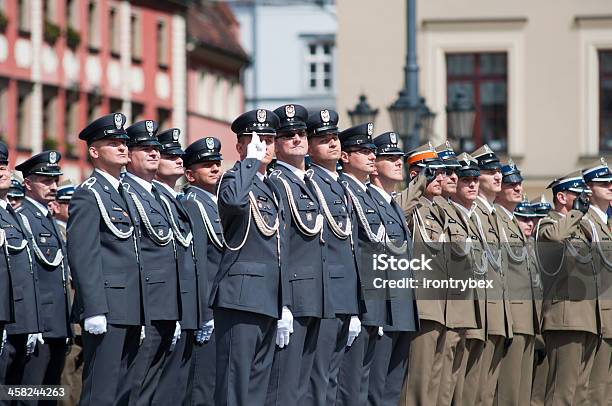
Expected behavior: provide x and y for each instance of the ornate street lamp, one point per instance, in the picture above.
(426, 121)
(363, 112)
(461, 114)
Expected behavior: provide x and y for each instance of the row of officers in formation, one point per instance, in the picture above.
(247, 289)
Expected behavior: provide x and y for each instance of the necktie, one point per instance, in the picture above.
(54, 226)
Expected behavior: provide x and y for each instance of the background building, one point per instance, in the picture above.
(66, 62)
(293, 52)
(540, 73)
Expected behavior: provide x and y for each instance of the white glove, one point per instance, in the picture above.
(143, 335)
(31, 343)
(3, 343)
(354, 330)
(284, 327)
(256, 148)
(205, 332)
(176, 336)
(95, 324)
(380, 331)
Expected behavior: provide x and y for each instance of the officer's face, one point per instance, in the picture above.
(244, 140)
(170, 166)
(144, 160)
(5, 178)
(602, 191)
(361, 161)
(291, 144)
(15, 202)
(325, 148)
(112, 152)
(490, 180)
(60, 209)
(390, 167)
(527, 225)
(467, 188)
(204, 174)
(511, 192)
(449, 184)
(41, 188)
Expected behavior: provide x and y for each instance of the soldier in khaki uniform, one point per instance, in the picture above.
(569, 309)
(427, 223)
(465, 311)
(599, 179)
(514, 384)
(499, 319)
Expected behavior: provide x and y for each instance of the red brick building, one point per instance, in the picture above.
(65, 62)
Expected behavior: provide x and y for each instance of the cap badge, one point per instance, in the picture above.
(370, 128)
(290, 110)
(448, 145)
(487, 149)
(118, 120)
(149, 126)
(52, 157)
(603, 161)
(261, 116)
(393, 138)
(175, 134)
(325, 116)
(210, 143)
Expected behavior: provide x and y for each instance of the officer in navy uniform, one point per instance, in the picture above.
(158, 258)
(202, 161)
(40, 174)
(308, 275)
(20, 305)
(247, 295)
(175, 369)
(335, 333)
(358, 162)
(103, 258)
(391, 354)
(16, 193)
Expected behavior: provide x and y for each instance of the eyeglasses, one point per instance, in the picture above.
(449, 171)
(290, 135)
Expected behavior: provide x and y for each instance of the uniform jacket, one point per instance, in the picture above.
(249, 278)
(22, 275)
(208, 249)
(343, 281)
(189, 281)
(308, 272)
(54, 299)
(520, 274)
(402, 311)
(602, 259)
(564, 253)
(158, 261)
(104, 267)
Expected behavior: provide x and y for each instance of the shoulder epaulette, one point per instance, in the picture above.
(88, 183)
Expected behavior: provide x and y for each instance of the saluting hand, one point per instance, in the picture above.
(256, 148)
(582, 202)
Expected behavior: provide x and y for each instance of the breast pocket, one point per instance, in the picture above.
(159, 224)
(268, 211)
(308, 211)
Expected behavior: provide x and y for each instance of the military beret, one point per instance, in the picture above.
(386, 144)
(291, 117)
(142, 133)
(202, 150)
(321, 122)
(359, 136)
(45, 164)
(169, 140)
(511, 173)
(16, 189)
(108, 126)
(598, 172)
(486, 158)
(261, 121)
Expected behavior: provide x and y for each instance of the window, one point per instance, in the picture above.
(163, 119)
(233, 102)
(93, 27)
(72, 13)
(219, 98)
(94, 107)
(484, 78)
(162, 43)
(49, 118)
(24, 15)
(3, 109)
(71, 124)
(605, 100)
(24, 113)
(135, 37)
(319, 67)
(137, 112)
(113, 32)
(50, 10)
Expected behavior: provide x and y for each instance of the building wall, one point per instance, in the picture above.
(552, 68)
(276, 36)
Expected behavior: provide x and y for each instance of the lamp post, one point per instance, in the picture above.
(363, 112)
(461, 113)
(426, 121)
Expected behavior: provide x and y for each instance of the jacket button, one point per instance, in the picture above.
(147, 279)
(295, 275)
(105, 283)
(249, 165)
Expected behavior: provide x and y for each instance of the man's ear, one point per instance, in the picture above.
(561, 198)
(189, 175)
(27, 184)
(93, 152)
(344, 157)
